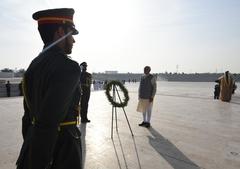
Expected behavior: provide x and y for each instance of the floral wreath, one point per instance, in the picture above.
(109, 87)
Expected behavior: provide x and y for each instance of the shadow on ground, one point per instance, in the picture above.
(170, 152)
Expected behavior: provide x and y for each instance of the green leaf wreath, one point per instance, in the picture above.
(109, 87)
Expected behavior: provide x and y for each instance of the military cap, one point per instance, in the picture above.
(83, 64)
(63, 16)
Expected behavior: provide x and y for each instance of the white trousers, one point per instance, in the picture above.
(148, 113)
(145, 107)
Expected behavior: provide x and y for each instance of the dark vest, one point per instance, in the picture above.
(146, 87)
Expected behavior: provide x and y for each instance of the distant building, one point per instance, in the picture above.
(6, 74)
(111, 72)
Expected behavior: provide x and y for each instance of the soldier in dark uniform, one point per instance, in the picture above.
(20, 89)
(85, 81)
(8, 87)
(51, 98)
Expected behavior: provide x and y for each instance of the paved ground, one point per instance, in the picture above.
(187, 133)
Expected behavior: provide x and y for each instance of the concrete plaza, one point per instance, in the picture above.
(187, 132)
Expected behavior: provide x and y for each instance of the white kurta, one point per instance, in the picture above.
(144, 105)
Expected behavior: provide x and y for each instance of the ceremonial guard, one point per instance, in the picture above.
(8, 87)
(51, 98)
(85, 81)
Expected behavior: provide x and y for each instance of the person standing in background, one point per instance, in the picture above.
(217, 90)
(146, 92)
(8, 88)
(20, 89)
(85, 82)
(226, 86)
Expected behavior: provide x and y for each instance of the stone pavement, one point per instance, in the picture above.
(187, 133)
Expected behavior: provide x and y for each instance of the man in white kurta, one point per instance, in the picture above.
(146, 93)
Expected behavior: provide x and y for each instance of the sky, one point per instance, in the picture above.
(126, 35)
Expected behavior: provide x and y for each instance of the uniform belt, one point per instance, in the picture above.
(67, 123)
(63, 124)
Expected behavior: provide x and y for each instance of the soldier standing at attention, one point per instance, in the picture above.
(51, 98)
(85, 81)
(8, 87)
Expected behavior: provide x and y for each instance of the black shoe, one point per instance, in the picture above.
(147, 125)
(85, 121)
(142, 124)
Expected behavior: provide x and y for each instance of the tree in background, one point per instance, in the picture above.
(6, 70)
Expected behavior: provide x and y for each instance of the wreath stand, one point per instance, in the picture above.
(114, 106)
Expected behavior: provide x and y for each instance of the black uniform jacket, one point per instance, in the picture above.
(86, 81)
(51, 88)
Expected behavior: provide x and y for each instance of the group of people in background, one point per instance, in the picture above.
(8, 86)
(225, 87)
